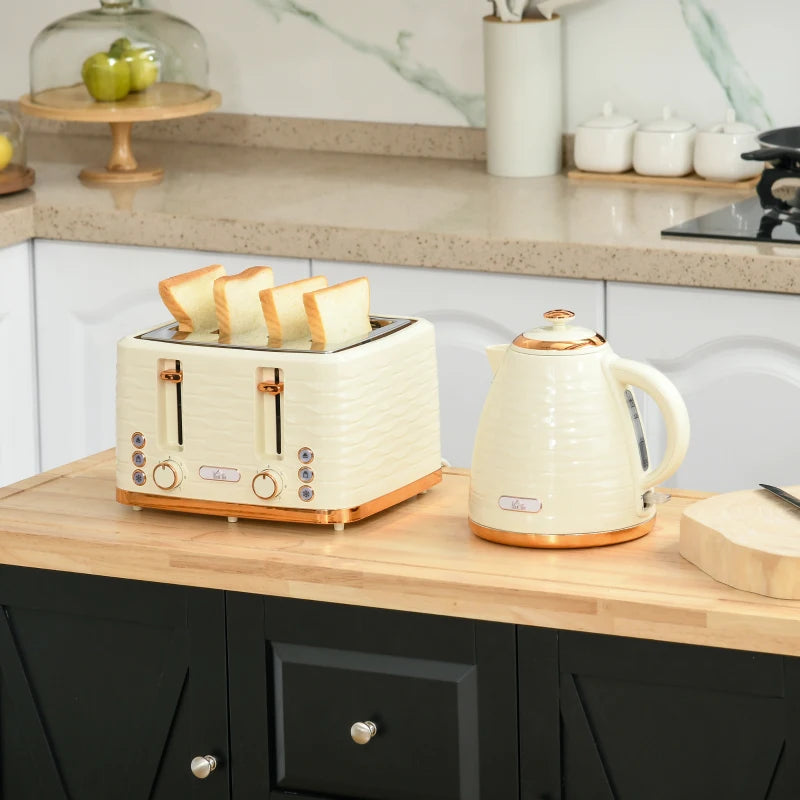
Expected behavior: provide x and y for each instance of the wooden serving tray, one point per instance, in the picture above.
(691, 180)
(749, 540)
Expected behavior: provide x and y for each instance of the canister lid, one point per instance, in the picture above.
(667, 123)
(608, 119)
(732, 126)
(559, 336)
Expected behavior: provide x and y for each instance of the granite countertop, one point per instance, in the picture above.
(443, 213)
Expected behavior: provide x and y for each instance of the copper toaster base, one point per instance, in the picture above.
(563, 540)
(276, 514)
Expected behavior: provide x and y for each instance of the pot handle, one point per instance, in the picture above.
(771, 154)
(671, 405)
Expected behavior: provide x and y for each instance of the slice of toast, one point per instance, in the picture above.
(338, 313)
(284, 311)
(190, 298)
(237, 304)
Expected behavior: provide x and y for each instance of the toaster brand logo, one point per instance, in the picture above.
(220, 474)
(530, 504)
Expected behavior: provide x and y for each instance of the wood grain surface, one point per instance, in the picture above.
(417, 556)
(748, 539)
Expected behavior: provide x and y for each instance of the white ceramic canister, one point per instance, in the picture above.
(718, 151)
(605, 143)
(664, 146)
(522, 78)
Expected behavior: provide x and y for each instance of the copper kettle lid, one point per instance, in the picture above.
(559, 336)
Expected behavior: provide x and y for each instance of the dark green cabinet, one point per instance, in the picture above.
(108, 688)
(612, 718)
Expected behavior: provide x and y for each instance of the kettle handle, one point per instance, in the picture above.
(671, 405)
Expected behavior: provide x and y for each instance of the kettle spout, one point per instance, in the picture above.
(495, 353)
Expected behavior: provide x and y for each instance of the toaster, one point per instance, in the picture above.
(295, 432)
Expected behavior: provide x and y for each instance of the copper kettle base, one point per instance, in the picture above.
(563, 540)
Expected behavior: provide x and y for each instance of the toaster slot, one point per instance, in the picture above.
(269, 411)
(170, 414)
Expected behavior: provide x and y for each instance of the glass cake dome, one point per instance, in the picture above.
(118, 52)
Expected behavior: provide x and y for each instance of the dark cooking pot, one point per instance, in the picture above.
(782, 147)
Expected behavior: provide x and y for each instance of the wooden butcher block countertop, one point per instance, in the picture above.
(418, 556)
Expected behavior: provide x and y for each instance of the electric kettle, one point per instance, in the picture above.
(560, 457)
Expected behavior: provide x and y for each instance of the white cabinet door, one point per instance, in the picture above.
(735, 358)
(19, 457)
(88, 296)
(470, 310)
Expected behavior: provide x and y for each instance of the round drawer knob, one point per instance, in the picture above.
(362, 732)
(166, 475)
(203, 766)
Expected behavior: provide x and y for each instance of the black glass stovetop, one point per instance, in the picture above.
(745, 220)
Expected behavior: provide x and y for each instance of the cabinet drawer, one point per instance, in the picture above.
(424, 711)
(441, 692)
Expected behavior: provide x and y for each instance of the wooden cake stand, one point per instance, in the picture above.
(15, 178)
(160, 101)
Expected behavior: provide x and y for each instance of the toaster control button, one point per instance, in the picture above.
(138, 458)
(167, 475)
(138, 440)
(306, 474)
(266, 484)
(306, 493)
(139, 478)
(306, 455)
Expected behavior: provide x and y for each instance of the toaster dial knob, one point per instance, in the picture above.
(167, 475)
(266, 484)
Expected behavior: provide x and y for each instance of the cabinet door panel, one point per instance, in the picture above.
(470, 311)
(735, 358)
(19, 454)
(656, 720)
(108, 688)
(89, 296)
(441, 692)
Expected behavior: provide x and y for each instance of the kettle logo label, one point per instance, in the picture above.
(530, 504)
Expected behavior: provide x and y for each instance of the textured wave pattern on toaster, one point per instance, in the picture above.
(370, 415)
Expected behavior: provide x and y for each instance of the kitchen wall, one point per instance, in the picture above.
(420, 61)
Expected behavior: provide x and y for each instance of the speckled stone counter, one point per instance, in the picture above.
(447, 214)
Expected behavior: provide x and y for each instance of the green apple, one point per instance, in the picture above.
(142, 61)
(144, 67)
(6, 151)
(107, 78)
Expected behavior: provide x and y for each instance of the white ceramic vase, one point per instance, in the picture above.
(522, 78)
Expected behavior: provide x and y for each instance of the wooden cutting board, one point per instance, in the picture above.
(749, 540)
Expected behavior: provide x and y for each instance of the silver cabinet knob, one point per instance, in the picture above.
(362, 732)
(203, 766)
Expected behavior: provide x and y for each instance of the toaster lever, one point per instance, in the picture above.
(171, 375)
(271, 387)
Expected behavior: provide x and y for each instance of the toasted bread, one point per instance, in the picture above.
(340, 312)
(237, 304)
(283, 309)
(190, 298)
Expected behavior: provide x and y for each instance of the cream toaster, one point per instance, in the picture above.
(296, 433)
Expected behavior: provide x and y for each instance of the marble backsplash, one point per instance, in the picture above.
(420, 61)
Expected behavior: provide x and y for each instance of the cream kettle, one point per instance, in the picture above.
(560, 457)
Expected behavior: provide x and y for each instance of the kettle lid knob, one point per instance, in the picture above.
(559, 317)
